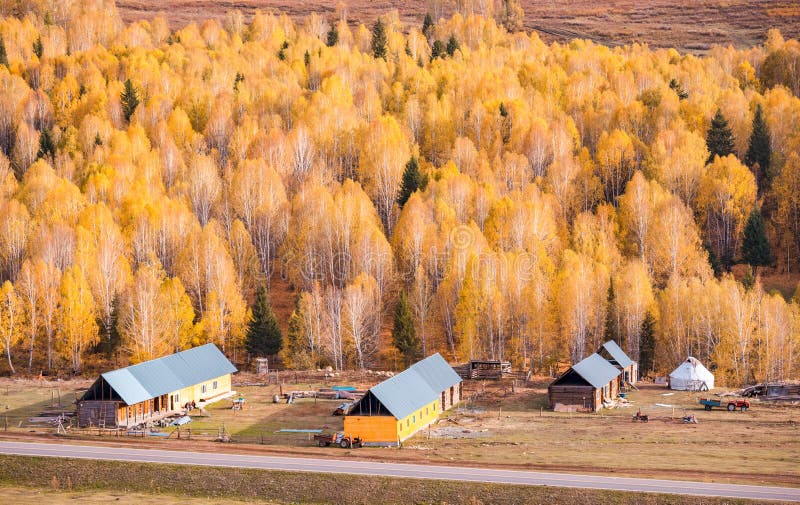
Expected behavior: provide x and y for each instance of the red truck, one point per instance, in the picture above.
(733, 404)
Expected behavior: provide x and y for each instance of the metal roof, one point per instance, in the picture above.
(171, 373)
(437, 372)
(596, 370)
(416, 387)
(404, 393)
(617, 354)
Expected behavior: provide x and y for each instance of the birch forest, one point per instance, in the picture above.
(521, 200)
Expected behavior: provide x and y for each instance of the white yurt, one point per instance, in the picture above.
(691, 375)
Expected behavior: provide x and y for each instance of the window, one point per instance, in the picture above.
(408, 423)
(203, 388)
(214, 385)
(414, 419)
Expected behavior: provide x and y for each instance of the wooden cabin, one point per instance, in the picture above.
(629, 369)
(397, 408)
(157, 388)
(585, 386)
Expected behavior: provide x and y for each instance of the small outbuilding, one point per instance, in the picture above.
(395, 409)
(691, 375)
(154, 389)
(585, 386)
(629, 369)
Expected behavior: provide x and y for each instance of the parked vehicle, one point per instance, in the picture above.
(731, 405)
(338, 438)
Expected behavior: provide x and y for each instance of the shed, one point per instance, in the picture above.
(154, 389)
(614, 354)
(586, 385)
(398, 407)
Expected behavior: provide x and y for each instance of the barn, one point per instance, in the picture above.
(395, 409)
(629, 369)
(155, 389)
(585, 386)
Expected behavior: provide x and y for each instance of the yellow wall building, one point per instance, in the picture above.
(151, 390)
(399, 407)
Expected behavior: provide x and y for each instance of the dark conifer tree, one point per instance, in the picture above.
(720, 138)
(379, 40)
(438, 50)
(129, 99)
(647, 344)
(263, 333)
(759, 152)
(3, 54)
(38, 47)
(412, 181)
(404, 334)
(756, 251)
(452, 45)
(427, 25)
(333, 36)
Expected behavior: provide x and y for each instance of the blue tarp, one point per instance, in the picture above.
(343, 388)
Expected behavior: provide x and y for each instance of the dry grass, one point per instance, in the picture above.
(515, 429)
(37, 496)
(690, 25)
(221, 485)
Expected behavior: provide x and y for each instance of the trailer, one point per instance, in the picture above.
(730, 405)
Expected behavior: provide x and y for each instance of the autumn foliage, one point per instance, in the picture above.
(153, 181)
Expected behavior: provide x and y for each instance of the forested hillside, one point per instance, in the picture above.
(479, 192)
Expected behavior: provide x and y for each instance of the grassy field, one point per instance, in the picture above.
(93, 481)
(690, 25)
(37, 496)
(503, 428)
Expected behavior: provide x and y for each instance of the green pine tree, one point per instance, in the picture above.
(237, 81)
(759, 152)
(379, 40)
(647, 344)
(755, 246)
(427, 25)
(404, 335)
(263, 333)
(38, 47)
(333, 36)
(3, 54)
(720, 138)
(129, 99)
(452, 45)
(46, 146)
(678, 89)
(438, 50)
(412, 181)
(297, 352)
(611, 330)
(748, 279)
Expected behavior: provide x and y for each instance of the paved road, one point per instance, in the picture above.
(400, 470)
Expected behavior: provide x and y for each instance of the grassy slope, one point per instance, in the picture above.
(217, 484)
(686, 24)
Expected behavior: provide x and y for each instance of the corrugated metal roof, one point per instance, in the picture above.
(437, 372)
(416, 387)
(595, 370)
(617, 354)
(404, 393)
(160, 376)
